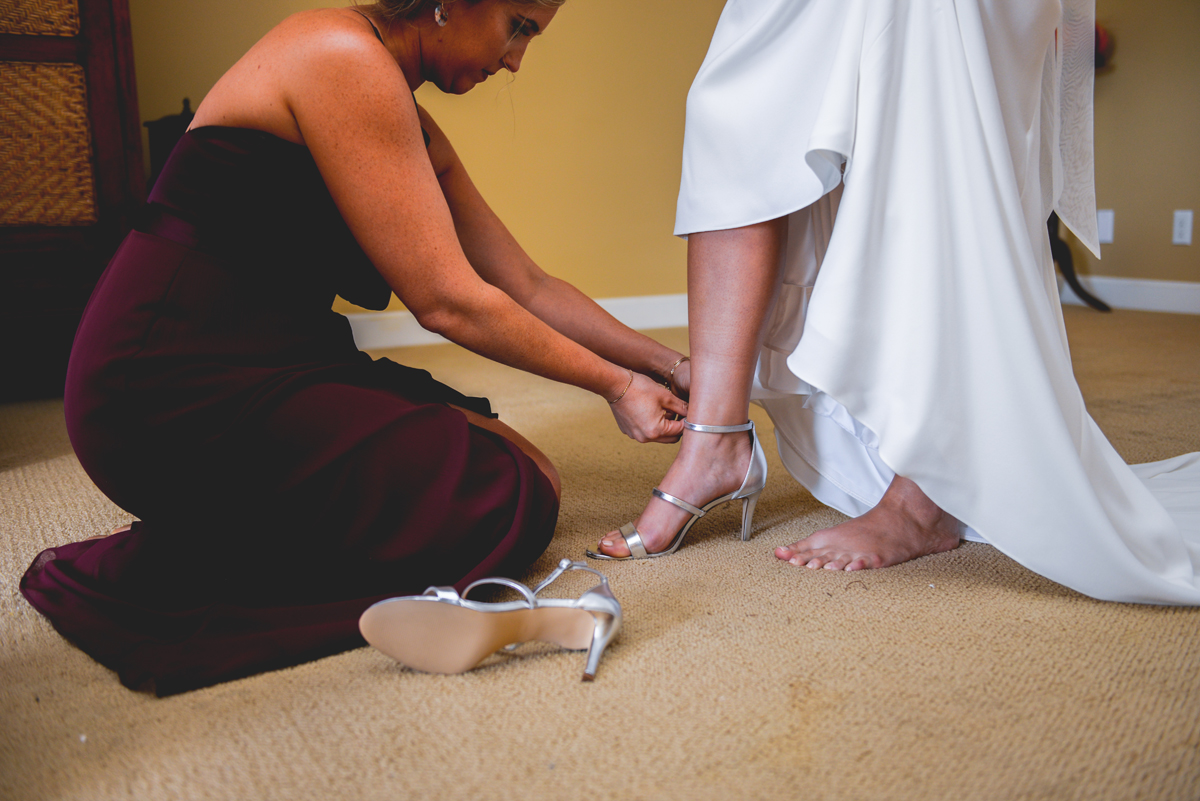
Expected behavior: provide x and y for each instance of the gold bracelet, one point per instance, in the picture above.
(627, 386)
(671, 374)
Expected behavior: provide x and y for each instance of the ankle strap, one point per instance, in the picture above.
(718, 429)
(516, 585)
(563, 567)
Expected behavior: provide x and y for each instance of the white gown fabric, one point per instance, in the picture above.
(919, 147)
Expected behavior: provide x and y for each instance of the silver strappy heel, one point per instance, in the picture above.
(752, 487)
(442, 632)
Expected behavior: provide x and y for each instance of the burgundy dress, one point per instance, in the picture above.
(284, 480)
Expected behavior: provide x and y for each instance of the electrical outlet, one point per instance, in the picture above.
(1105, 221)
(1181, 233)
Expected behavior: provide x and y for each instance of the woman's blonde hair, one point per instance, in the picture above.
(392, 10)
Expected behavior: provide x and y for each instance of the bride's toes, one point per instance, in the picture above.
(613, 544)
(793, 554)
(799, 555)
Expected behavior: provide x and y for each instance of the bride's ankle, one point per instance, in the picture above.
(711, 453)
(710, 443)
(907, 499)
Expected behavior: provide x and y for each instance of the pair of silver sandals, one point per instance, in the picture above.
(441, 631)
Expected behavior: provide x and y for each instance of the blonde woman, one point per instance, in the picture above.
(284, 481)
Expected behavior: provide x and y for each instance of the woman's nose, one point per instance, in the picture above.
(512, 61)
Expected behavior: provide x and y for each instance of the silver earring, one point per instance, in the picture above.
(439, 16)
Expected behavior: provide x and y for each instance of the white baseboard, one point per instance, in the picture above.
(1182, 297)
(395, 329)
(399, 329)
(648, 312)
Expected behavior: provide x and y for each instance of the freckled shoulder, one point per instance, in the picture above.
(332, 29)
(333, 71)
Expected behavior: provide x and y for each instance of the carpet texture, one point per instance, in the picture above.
(960, 675)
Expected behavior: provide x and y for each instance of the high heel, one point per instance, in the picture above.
(442, 632)
(752, 487)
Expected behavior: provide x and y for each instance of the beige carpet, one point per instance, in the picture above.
(956, 676)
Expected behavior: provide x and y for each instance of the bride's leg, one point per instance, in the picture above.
(904, 524)
(732, 281)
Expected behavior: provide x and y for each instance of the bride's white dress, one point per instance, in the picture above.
(919, 147)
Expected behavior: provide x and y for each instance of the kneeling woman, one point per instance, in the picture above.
(284, 480)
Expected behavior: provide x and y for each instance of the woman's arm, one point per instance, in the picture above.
(501, 261)
(353, 110)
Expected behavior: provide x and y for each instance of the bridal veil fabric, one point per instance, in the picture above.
(918, 148)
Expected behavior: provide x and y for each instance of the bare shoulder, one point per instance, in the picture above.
(325, 44)
(332, 30)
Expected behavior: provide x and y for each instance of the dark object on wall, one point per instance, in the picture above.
(1106, 45)
(164, 134)
(72, 176)
(1066, 266)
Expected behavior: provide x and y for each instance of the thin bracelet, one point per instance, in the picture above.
(627, 386)
(671, 374)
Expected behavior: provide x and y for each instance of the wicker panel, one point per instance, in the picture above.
(45, 146)
(40, 17)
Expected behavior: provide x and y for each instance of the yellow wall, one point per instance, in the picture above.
(181, 47)
(1148, 138)
(580, 153)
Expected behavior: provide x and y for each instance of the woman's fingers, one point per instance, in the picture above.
(647, 412)
(672, 431)
(675, 405)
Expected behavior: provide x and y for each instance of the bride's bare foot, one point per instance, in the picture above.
(904, 525)
(706, 467)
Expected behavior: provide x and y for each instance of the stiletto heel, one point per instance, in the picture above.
(748, 514)
(602, 635)
(442, 632)
(752, 487)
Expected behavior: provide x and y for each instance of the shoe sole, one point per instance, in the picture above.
(435, 637)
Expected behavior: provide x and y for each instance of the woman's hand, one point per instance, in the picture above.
(647, 412)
